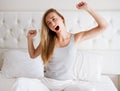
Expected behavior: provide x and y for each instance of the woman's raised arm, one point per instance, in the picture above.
(33, 52)
(101, 24)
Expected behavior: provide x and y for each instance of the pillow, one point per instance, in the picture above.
(17, 63)
(88, 66)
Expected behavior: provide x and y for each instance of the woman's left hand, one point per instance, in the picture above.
(82, 5)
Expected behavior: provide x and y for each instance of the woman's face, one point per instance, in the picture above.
(54, 22)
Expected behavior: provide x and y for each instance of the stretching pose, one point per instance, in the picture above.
(57, 46)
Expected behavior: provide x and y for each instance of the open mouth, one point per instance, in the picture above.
(57, 28)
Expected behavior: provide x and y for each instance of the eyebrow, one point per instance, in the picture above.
(50, 18)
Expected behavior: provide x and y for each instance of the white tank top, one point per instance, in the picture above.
(61, 65)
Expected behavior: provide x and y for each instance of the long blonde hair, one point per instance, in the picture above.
(48, 37)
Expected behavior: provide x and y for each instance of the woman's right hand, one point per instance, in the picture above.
(82, 5)
(31, 33)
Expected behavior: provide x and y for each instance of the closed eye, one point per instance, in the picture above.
(51, 19)
(54, 19)
(48, 23)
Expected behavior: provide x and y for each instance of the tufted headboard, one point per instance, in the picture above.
(15, 25)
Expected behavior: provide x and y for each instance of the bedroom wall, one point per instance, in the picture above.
(21, 5)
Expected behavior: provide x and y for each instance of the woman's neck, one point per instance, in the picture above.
(63, 35)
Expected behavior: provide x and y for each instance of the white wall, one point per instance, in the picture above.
(31, 5)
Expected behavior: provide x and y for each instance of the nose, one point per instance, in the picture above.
(53, 24)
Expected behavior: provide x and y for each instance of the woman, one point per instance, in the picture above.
(58, 47)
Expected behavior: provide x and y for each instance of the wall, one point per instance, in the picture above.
(21, 5)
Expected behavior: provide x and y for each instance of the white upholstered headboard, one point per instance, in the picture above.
(14, 26)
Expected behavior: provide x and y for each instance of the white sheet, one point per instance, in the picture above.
(21, 84)
(6, 84)
(105, 84)
(29, 84)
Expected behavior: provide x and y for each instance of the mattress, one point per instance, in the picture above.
(105, 84)
(6, 84)
(21, 84)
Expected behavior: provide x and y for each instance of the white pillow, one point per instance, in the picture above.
(88, 66)
(18, 64)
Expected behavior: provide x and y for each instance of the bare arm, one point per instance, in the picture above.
(102, 24)
(31, 49)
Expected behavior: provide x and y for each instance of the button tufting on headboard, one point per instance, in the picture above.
(15, 25)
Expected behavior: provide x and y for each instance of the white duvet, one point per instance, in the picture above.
(30, 84)
(21, 84)
(6, 84)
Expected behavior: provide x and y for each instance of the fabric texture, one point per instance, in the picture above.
(67, 85)
(61, 65)
(29, 84)
(19, 64)
(88, 66)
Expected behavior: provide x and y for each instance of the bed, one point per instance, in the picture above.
(6, 84)
(19, 73)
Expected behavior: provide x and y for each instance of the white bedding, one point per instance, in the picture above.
(105, 84)
(21, 84)
(6, 84)
(29, 84)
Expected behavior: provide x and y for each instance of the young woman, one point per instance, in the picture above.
(57, 46)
